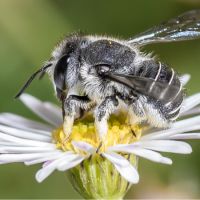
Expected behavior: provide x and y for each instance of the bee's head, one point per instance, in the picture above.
(63, 64)
(66, 57)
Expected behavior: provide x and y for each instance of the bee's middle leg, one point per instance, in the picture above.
(102, 113)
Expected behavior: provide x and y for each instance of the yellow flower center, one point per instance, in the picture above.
(119, 132)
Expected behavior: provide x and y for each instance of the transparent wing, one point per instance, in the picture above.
(147, 86)
(183, 27)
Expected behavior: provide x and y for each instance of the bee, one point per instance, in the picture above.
(104, 74)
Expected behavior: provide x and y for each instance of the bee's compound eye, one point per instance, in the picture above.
(60, 71)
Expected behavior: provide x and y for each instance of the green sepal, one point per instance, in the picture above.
(97, 178)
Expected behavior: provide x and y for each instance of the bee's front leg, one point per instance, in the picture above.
(102, 114)
(70, 106)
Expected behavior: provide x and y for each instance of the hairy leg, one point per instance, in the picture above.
(143, 111)
(155, 117)
(102, 114)
(136, 113)
(71, 104)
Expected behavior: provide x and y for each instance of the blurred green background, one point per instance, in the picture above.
(29, 29)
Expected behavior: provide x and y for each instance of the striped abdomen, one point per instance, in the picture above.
(165, 92)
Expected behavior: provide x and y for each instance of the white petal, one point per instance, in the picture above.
(70, 162)
(54, 109)
(116, 158)
(13, 144)
(11, 149)
(185, 78)
(128, 172)
(22, 157)
(153, 156)
(187, 122)
(10, 144)
(166, 146)
(190, 102)
(193, 111)
(84, 146)
(184, 136)
(186, 125)
(166, 134)
(4, 143)
(145, 153)
(47, 163)
(50, 157)
(46, 171)
(17, 121)
(24, 142)
(53, 156)
(39, 109)
(24, 134)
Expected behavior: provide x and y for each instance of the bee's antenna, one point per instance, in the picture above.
(41, 75)
(41, 70)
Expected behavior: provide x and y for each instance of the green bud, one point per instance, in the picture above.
(97, 178)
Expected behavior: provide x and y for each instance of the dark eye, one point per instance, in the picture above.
(60, 72)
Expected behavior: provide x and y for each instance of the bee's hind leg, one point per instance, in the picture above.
(141, 111)
(102, 113)
(136, 113)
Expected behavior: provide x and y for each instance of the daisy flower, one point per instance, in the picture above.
(96, 170)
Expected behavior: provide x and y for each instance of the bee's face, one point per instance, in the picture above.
(66, 58)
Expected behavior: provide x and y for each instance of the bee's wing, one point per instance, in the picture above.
(147, 86)
(183, 27)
